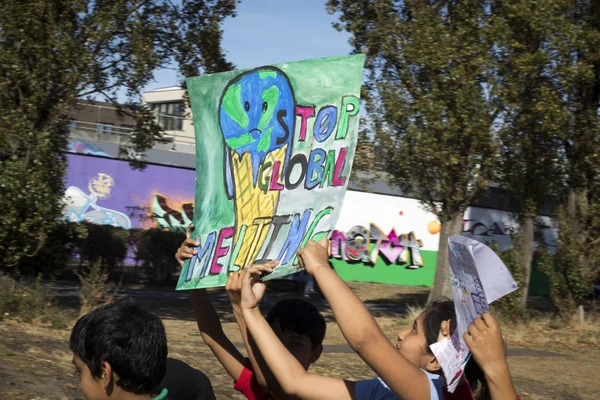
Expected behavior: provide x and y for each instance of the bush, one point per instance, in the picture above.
(107, 245)
(27, 301)
(57, 250)
(156, 252)
(509, 306)
(96, 289)
(573, 265)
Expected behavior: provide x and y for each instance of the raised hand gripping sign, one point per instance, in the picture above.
(274, 149)
(478, 278)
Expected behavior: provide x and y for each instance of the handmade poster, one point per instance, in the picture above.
(274, 151)
(478, 278)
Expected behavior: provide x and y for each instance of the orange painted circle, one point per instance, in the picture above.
(434, 227)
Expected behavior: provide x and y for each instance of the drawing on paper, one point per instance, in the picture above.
(275, 150)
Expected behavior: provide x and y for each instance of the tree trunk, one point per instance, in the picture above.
(441, 283)
(526, 240)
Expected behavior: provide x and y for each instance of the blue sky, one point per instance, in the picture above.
(274, 31)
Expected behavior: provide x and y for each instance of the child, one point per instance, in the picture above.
(120, 353)
(297, 323)
(410, 371)
(185, 382)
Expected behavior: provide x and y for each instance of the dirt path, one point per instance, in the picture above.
(35, 361)
(36, 364)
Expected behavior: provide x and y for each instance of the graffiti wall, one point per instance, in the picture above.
(393, 240)
(378, 238)
(107, 191)
(385, 239)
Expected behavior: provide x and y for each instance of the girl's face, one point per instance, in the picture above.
(412, 344)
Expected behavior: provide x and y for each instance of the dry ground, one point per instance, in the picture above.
(548, 361)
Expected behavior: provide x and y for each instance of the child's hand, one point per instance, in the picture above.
(314, 256)
(487, 346)
(234, 284)
(252, 289)
(186, 250)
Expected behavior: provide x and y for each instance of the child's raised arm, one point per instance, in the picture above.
(208, 319)
(485, 342)
(261, 372)
(360, 328)
(212, 334)
(293, 379)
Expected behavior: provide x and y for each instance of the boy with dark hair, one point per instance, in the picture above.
(296, 322)
(120, 352)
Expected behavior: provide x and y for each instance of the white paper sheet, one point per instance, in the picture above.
(478, 277)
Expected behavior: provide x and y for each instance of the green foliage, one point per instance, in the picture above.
(57, 250)
(464, 93)
(156, 252)
(430, 95)
(510, 306)
(104, 245)
(96, 290)
(577, 69)
(27, 301)
(55, 52)
(534, 115)
(432, 101)
(574, 264)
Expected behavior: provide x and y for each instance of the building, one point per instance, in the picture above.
(173, 116)
(98, 129)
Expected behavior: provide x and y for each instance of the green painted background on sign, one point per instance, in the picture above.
(322, 83)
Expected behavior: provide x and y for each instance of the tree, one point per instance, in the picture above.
(577, 255)
(431, 96)
(54, 52)
(532, 162)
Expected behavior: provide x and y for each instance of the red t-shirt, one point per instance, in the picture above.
(462, 392)
(249, 387)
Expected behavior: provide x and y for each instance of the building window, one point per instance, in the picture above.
(104, 127)
(169, 115)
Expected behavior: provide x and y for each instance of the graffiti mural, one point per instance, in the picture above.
(366, 244)
(80, 147)
(362, 245)
(169, 219)
(496, 226)
(82, 207)
(108, 191)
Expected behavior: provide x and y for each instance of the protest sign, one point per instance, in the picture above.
(275, 147)
(478, 277)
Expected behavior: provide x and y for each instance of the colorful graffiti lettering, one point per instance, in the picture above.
(167, 218)
(81, 207)
(475, 227)
(362, 245)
